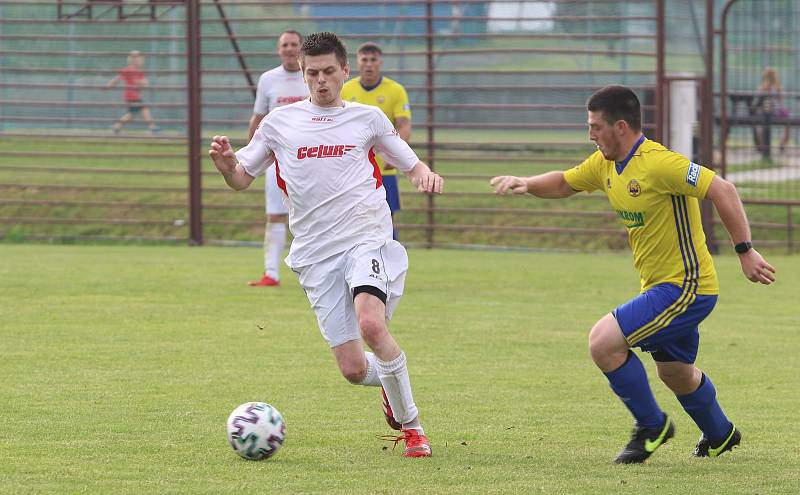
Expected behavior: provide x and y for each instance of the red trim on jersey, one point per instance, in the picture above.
(279, 179)
(377, 170)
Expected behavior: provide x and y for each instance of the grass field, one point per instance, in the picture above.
(120, 364)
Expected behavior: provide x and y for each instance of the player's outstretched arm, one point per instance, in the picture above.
(547, 185)
(425, 180)
(731, 211)
(227, 164)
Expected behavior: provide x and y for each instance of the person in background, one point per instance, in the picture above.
(769, 101)
(373, 88)
(277, 87)
(133, 80)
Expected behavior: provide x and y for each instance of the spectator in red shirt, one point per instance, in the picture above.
(134, 80)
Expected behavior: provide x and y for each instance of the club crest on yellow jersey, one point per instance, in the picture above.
(634, 189)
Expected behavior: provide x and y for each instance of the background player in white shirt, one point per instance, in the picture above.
(351, 269)
(277, 87)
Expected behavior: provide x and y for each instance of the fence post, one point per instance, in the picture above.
(707, 127)
(430, 120)
(682, 114)
(194, 125)
(660, 65)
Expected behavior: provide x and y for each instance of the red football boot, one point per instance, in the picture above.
(265, 281)
(416, 445)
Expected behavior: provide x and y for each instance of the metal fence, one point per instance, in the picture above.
(495, 87)
(759, 108)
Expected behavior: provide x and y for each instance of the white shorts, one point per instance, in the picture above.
(275, 203)
(329, 285)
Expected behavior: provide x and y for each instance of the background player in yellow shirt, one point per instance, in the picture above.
(656, 194)
(372, 88)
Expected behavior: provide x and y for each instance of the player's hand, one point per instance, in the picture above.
(756, 268)
(508, 184)
(430, 182)
(223, 155)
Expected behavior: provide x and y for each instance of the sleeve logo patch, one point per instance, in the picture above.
(693, 174)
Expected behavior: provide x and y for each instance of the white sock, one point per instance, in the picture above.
(395, 381)
(371, 379)
(274, 242)
(414, 425)
(267, 237)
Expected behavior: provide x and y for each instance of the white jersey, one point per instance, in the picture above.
(325, 164)
(278, 87)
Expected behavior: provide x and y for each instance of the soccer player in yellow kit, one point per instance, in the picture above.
(656, 194)
(372, 88)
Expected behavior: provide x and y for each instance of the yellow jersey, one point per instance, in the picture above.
(656, 194)
(388, 95)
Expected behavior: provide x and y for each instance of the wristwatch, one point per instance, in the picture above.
(743, 247)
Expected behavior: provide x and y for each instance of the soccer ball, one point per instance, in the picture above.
(256, 430)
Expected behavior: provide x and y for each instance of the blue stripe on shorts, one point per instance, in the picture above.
(664, 321)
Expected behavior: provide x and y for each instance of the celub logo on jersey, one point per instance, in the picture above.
(324, 151)
(693, 174)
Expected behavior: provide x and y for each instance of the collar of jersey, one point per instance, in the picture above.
(621, 165)
(318, 108)
(291, 72)
(370, 88)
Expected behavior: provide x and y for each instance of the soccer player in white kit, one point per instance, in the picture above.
(352, 271)
(277, 87)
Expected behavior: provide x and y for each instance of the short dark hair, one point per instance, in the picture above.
(292, 31)
(370, 47)
(322, 44)
(617, 103)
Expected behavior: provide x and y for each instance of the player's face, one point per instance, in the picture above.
(604, 136)
(325, 77)
(137, 61)
(289, 50)
(369, 67)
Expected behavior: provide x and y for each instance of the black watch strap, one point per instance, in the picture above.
(743, 247)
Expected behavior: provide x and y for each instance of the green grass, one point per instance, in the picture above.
(120, 365)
